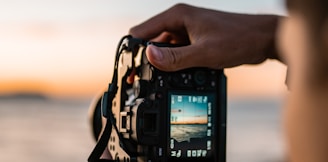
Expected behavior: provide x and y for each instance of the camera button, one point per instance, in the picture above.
(160, 151)
(161, 83)
(159, 95)
(189, 76)
(186, 81)
(200, 77)
(213, 83)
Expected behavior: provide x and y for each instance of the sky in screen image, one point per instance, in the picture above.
(189, 109)
(65, 48)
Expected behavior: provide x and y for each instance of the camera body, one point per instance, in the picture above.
(168, 116)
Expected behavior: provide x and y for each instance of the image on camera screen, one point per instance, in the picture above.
(190, 125)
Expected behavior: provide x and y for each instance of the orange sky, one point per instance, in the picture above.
(262, 80)
(65, 48)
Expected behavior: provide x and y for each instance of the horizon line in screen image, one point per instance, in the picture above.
(187, 109)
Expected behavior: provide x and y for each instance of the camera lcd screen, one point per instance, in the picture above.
(191, 127)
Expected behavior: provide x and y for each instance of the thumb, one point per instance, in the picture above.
(170, 59)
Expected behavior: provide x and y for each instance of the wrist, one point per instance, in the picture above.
(272, 51)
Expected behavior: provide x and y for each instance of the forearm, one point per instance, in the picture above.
(272, 52)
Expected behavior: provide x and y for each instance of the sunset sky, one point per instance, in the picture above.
(65, 48)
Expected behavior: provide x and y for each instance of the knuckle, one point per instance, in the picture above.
(181, 8)
(133, 31)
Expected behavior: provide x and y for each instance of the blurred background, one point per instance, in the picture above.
(56, 56)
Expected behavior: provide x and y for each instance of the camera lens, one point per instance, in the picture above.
(200, 77)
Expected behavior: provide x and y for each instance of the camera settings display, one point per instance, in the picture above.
(191, 124)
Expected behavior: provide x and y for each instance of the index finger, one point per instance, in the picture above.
(171, 20)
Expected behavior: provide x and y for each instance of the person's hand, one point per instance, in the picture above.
(217, 39)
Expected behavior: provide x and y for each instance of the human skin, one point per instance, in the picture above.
(222, 40)
(306, 113)
(216, 39)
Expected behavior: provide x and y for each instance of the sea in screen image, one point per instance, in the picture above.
(184, 132)
(189, 117)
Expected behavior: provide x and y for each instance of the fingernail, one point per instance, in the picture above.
(157, 54)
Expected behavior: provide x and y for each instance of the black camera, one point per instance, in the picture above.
(159, 116)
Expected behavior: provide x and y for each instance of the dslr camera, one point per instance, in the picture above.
(149, 115)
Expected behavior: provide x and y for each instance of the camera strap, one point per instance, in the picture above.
(108, 98)
(106, 106)
(101, 145)
(103, 141)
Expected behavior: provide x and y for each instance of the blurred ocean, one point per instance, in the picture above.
(41, 130)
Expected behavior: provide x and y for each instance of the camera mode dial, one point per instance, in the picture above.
(200, 77)
(140, 88)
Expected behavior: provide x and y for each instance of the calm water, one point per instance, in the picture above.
(58, 131)
(183, 132)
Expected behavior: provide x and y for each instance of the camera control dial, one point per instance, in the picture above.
(140, 88)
